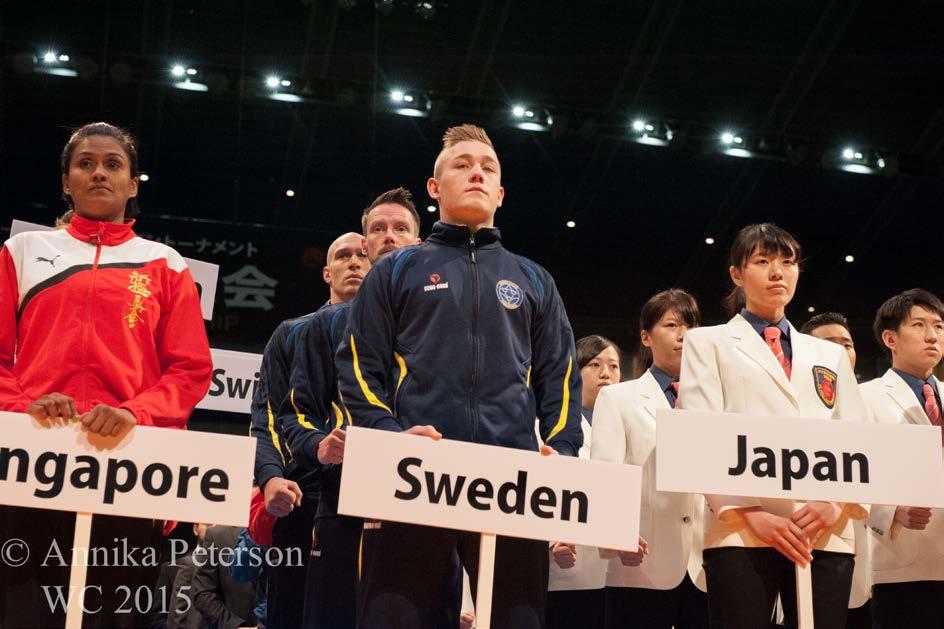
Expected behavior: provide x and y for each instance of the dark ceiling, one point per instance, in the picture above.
(816, 75)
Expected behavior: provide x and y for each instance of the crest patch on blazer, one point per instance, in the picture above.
(825, 381)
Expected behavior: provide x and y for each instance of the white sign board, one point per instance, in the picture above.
(799, 459)
(489, 489)
(205, 274)
(148, 472)
(234, 379)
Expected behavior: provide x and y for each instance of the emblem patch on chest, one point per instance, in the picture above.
(435, 283)
(138, 285)
(509, 294)
(825, 382)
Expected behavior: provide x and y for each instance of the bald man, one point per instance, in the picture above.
(291, 492)
(314, 422)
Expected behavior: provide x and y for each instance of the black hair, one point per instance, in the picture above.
(897, 309)
(760, 237)
(825, 318)
(662, 302)
(589, 347)
(122, 136)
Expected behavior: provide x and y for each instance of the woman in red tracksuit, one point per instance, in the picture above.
(100, 326)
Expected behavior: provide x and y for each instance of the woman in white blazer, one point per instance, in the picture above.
(668, 588)
(576, 580)
(758, 363)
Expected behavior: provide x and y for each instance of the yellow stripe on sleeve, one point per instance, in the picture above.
(402, 364)
(298, 413)
(527, 380)
(360, 555)
(565, 403)
(338, 415)
(368, 394)
(275, 436)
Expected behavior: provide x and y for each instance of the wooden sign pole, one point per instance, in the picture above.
(77, 573)
(483, 596)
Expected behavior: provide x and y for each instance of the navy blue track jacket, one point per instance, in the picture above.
(462, 334)
(312, 408)
(273, 458)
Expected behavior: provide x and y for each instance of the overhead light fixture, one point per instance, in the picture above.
(571, 224)
(651, 132)
(54, 63)
(290, 193)
(431, 208)
(709, 240)
(531, 119)
(733, 144)
(275, 83)
(426, 9)
(186, 75)
(853, 159)
(410, 103)
(850, 258)
(811, 309)
(144, 177)
(739, 144)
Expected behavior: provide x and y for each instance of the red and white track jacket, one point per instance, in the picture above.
(106, 317)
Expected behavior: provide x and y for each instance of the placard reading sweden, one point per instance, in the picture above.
(473, 487)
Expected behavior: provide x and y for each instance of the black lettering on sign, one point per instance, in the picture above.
(216, 383)
(52, 470)
(512, 497)
(795, 464)
(404, 472)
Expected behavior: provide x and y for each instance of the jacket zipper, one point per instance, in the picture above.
(475, 329)
(95, 239)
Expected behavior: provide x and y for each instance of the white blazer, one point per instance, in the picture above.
(900, 555)
(729, 368)
(589, 573)
(624, 431)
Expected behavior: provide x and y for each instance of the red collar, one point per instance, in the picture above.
(100, 232)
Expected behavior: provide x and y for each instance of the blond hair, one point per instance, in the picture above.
(462, 133)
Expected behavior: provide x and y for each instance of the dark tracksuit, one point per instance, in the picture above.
(311, 411)
(273, 459)
(459, 333)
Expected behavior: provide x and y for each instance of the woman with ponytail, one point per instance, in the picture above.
(758, 363)
(106, 330)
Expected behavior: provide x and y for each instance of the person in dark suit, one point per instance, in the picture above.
(221, 600)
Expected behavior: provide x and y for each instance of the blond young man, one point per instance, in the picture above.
(459, 338)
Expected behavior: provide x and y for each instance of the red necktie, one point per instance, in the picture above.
(930, 407)
(674, 386)
(772, 336)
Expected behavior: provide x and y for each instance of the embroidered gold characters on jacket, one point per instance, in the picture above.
(138, 283)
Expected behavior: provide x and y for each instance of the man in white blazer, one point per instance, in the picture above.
(833, 327)
(908, 541)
